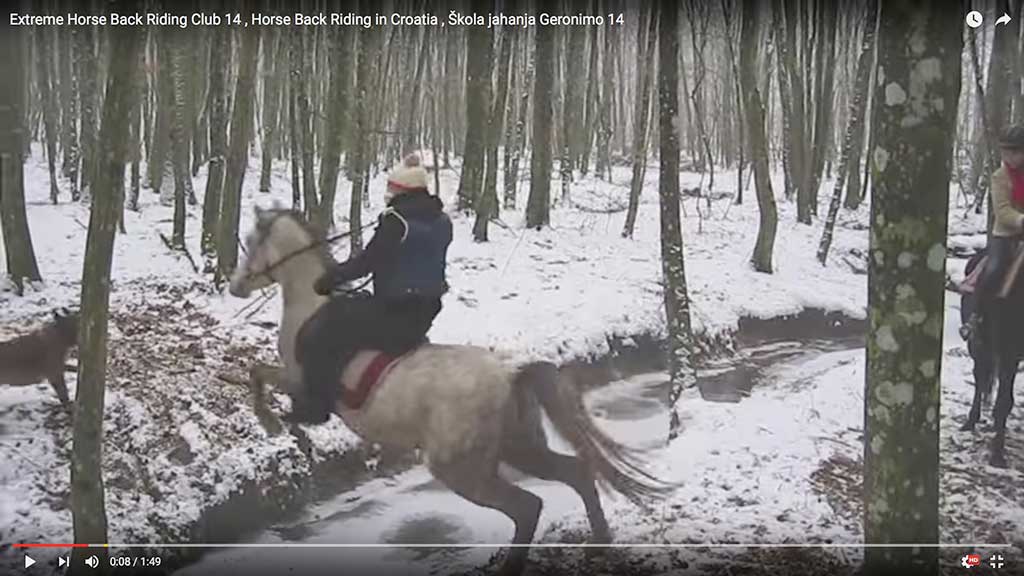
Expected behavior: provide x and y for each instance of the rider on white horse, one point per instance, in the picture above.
(406, 258)
(1006, 195)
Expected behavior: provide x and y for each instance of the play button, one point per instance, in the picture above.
(29, 561)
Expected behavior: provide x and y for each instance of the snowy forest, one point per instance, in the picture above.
(742, 226)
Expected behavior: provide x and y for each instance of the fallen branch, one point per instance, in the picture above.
(612, 209)
(182, 249)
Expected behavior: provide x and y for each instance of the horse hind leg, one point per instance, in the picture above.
(1001, 412)
(540, 461)
(483, 486)
(983, 375)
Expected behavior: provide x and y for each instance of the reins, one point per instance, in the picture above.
(317, 244)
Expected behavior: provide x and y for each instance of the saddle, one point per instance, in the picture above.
(362, 374)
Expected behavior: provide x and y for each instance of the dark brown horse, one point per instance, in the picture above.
(41, 355)
(996, 350)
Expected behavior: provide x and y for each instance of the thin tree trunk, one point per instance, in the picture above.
(238, 154)
(337, 103)
(681, 367)
(220, 50)
(300, 79)
(88, 508)
(854, 124)
(512, 166)
(173, 57)
(864, 62)
(487, 203)
(44, 65)
(478, 80)
(88, 96)
(360, 164)
(271, 102)
(645, 69)
(538, 204)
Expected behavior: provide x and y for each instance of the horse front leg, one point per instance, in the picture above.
(1001, 411)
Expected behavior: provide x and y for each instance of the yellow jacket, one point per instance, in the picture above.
(1009, 218)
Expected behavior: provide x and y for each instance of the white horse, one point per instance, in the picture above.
(465, 407)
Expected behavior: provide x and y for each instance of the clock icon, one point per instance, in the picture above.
(974, 18)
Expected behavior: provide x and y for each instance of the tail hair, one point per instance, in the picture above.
(615, 465)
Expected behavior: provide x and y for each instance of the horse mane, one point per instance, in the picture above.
(314, 231)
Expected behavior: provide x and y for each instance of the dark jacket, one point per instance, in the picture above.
(408, 250)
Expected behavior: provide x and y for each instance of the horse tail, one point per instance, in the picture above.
(615, 465)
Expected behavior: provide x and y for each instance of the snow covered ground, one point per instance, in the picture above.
(179, 440)
(782, 466)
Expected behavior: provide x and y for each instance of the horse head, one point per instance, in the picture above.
(279, 237)
(66, 324)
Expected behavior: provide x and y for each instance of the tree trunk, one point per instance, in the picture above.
(20, 255)
(300, 81)
(88, 95)
(478, 90)
(69, 111)
(644, 67)
(44, 65)
(538, 204)
(823, 109)
(740, 140)
(337, 103)
(797, 137)
(781, 57)
(854, 125)
(87, 499)
(909, 212)
(238, 154)
(681, 368)
(517, 145)
(172, 55)
(271, 102)
(220, 50)
(754, 109)
(360, 164)
(865, 68)
(487, 203)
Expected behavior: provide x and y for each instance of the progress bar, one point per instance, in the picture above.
(956, 545)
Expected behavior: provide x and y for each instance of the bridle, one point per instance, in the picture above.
(266, 271)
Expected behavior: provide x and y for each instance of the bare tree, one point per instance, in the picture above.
(645, 70)
(88, 509)
(238, 154)
(754, 109)
(478, 90)
(538, 204)
(220, 50)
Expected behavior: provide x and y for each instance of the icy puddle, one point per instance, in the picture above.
(381, 515)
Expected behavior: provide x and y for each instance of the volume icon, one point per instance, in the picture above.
(92, 561)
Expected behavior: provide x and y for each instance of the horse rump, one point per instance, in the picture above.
(41, 354)
(615, 465)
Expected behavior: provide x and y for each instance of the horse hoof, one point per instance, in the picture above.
(998, 461)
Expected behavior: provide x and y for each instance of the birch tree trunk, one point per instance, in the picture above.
(854, 125)
(88, 508)
(919, 51)
(681, 368)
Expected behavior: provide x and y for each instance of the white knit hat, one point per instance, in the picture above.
(409, 175)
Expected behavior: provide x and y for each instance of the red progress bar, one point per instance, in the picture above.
(51, 545)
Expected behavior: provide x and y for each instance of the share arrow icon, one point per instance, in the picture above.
(29, 561)
(1004, 19)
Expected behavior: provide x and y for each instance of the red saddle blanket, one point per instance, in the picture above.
(361, 376)
(970, 283)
